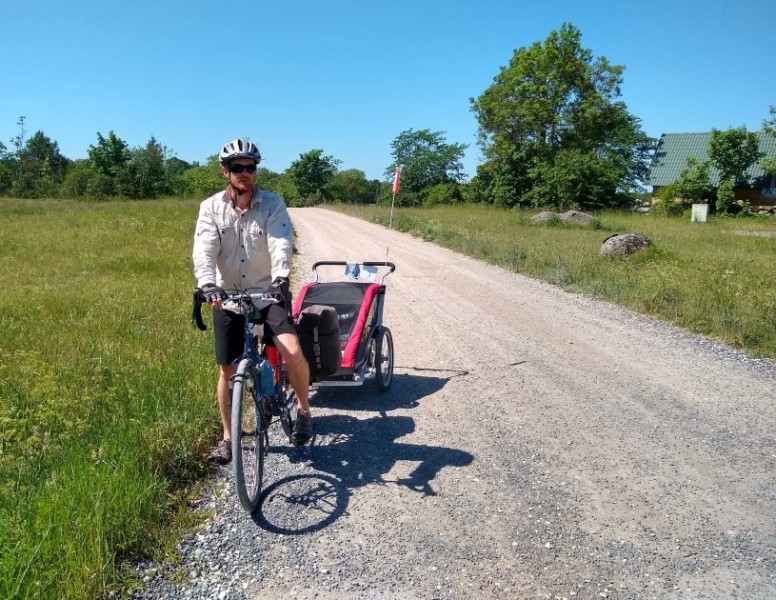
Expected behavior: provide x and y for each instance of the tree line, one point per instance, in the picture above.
(552, 131)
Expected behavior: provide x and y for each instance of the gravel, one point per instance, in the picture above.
(534, 444)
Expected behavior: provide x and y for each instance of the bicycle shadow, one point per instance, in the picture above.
(348, 453)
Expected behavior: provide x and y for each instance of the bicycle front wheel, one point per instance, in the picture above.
(248, 435)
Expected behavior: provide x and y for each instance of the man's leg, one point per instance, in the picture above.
(225, 373)
(296, 367)
(299, 377)
(223, 452)
(228, 334)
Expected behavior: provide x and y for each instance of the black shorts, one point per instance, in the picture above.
(229, 330)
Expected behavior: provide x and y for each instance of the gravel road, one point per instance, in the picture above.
(534, 444)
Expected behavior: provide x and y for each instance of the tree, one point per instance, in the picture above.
(174, 168)
(205, 180)
(571, 176)
(555, 106)
(267, 179)
(108, 160)
(769, 126)
(693, 184)
(733, 151)
(76, 182)
(311, 172)
(7, 169)
(351, 187)
(146, 175)
(41, 167)
(426, 160)
(110, 154)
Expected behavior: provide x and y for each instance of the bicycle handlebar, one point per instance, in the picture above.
(240, 298)
(196, 310)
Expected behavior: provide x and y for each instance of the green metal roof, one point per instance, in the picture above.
(674, 149)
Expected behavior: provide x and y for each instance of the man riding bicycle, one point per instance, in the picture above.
(243, 241)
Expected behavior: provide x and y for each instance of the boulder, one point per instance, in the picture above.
(574, 216)
(624, 244)
(543, 217)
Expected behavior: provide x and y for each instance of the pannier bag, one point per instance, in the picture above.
(319, 335)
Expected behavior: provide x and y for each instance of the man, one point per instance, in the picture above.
(243, 241)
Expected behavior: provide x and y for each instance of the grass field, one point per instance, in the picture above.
(107, 391)
(714, 278)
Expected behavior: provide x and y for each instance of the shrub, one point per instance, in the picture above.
(669, 203)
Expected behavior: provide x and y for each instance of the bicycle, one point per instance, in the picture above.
(261, 395)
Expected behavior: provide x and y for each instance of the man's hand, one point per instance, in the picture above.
(281, 283)
(214, 294)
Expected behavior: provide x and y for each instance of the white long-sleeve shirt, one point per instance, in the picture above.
(241, 250)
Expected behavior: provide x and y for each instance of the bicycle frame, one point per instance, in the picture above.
(252, 350)
(253, 405)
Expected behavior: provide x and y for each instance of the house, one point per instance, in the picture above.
(674, 149)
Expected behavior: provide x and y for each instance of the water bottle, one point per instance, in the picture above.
(268, 384)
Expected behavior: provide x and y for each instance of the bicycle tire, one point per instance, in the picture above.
(383, 359)
(249, 436)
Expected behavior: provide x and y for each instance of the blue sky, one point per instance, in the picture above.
(348, 76)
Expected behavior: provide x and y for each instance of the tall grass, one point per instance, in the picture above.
(715, 278)
(106, 399)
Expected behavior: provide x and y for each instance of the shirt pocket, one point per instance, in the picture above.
(255, 234)
(230, 238)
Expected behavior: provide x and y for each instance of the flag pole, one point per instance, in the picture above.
(396, 176)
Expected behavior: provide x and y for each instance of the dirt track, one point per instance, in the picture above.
(534, 444)
(559, 445)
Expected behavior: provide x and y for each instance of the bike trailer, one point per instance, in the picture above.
(364, 345)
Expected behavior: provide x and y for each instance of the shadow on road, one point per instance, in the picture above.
(406, 391)
(349, 452)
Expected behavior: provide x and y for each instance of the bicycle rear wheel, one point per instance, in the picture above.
(249, 435)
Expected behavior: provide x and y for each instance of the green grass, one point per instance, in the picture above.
(107, 391)
(715, 278)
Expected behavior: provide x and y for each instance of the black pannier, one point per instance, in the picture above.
(319, 335)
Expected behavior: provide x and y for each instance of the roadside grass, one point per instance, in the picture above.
(714, 279)
(107, 404)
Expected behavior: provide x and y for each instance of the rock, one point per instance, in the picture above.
(624, 244)
(577, 217)
(574, 216)
(543, 217)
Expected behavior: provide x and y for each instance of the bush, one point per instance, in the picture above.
(669, 203)
(725, 196)
(442, 193)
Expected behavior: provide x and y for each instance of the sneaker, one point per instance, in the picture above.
(303, 429)
(222, 454)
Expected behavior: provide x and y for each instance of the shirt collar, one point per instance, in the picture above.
(254, 201)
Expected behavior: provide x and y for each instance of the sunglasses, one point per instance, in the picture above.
(242, 168)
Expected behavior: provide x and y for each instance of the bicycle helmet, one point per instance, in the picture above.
(239, 148)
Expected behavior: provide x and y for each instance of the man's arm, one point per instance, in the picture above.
(279, 236)
(207, 243)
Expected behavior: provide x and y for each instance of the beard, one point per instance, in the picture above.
(241, 187)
